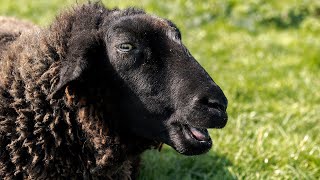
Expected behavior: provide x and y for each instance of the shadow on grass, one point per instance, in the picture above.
(170, 165)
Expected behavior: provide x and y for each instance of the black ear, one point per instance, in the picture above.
(83, 49)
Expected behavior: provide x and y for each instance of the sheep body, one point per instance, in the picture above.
(39, 138)
(11, 28)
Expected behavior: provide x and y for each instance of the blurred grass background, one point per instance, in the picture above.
(265, 55)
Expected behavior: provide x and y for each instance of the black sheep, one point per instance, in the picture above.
(85, 97)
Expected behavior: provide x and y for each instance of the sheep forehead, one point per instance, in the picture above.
(156, 23)
(160, 23)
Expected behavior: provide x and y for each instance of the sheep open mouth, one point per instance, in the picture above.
(199, 134)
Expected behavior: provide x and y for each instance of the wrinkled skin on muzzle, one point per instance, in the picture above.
(165, 94)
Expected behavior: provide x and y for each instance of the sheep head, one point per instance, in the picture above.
(157, 89)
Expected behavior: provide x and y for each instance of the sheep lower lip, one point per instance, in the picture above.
(198, 133)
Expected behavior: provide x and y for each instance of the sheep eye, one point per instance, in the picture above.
(126, 47)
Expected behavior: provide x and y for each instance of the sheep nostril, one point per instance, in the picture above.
(213, 103)
(216, 105)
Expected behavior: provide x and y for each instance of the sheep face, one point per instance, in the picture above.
(165, 94)
(155, 88)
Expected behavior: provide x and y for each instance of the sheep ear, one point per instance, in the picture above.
(82, 50)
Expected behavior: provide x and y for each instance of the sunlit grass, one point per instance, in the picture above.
(269, 72)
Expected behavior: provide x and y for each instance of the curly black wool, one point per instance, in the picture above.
(68, 136)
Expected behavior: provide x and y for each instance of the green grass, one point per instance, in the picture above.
(265, 55)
